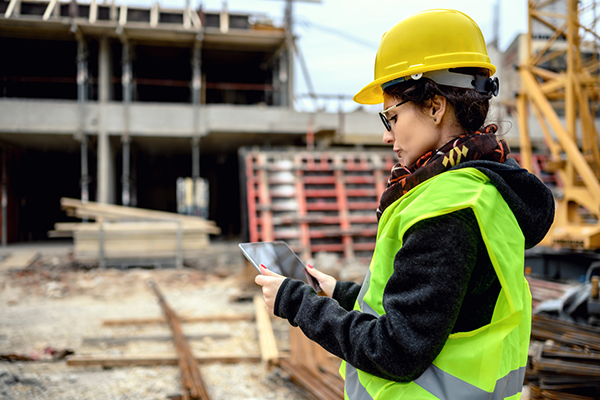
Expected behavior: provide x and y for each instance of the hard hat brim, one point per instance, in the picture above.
(373, 93)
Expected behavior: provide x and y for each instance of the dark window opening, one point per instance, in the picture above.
(237, 77)
(39, 69)
(139, 15)
(162, 74)
(170, 18)
(33, 8)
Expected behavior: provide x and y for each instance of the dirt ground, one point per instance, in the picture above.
(58, 304)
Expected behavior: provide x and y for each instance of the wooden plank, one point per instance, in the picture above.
(19, 260)
(266, 337)
(135, 226)
(112, 212)
(205, 318)
(93, 341)
(147, 360)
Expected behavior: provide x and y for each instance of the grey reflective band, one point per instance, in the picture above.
(482, 84)
(354, 389)
(364, 307)
(444, 386)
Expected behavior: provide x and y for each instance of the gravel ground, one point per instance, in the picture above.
(57, 304)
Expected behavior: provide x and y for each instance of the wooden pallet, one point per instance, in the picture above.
(316, 201)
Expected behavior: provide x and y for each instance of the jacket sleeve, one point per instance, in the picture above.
(422, 300)
(345, 293)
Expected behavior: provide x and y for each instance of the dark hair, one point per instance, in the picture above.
(470, 106)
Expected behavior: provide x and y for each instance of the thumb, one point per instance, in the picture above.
(315, 272)
(266, 272)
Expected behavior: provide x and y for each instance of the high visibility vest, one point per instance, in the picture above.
(486, 363)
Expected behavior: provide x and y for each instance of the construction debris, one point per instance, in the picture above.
(128, 235)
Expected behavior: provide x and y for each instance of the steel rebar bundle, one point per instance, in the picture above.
(193, 386)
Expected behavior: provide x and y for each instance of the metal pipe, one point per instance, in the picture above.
(195, 157)
(126, 193)
(4, 200)
(127, 96)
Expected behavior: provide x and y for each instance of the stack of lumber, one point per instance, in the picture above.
(132, 233)
(567, 364)
(313, 368)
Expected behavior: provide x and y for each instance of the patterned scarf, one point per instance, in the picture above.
(467, 147)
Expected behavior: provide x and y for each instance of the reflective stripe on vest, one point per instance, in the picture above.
(444, 386)
(510, 325)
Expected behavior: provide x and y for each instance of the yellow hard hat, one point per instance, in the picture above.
(432, 40)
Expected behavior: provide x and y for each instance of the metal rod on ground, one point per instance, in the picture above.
(193, 386)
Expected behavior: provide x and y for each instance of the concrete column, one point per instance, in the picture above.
(82, 97)
(104, 151)
(196, 72)
(285, 98)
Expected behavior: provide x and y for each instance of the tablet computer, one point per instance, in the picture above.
(279, 258)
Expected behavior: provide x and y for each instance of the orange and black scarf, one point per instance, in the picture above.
(467, 147)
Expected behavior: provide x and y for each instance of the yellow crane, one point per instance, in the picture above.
(569, 34)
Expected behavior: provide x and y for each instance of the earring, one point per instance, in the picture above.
(434, 120)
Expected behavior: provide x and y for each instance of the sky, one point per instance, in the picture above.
(339, 38)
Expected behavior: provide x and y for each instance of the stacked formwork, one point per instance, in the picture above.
(315, 200)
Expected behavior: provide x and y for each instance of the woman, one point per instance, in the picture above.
(445, 311)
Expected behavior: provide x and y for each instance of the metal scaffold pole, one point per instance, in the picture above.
(125, 139)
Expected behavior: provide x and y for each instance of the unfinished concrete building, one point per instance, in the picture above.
(113, 104)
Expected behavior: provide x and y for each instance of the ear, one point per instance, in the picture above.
(438, 108)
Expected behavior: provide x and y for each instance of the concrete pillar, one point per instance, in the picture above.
(284, 95)
(196, 72)
(104, 150)
(82, 97)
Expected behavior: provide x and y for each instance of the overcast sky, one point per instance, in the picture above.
(339, 38)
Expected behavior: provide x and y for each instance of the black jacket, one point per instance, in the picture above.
(443, 282)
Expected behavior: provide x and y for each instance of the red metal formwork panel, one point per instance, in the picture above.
(316, 200)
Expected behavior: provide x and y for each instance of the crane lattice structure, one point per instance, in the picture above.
(561, 75)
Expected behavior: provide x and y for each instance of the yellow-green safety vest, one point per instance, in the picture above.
(486, 363)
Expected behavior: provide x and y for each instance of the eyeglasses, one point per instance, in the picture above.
(384, 119)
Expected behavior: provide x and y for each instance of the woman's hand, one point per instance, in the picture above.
(270, 282)
(327, 282)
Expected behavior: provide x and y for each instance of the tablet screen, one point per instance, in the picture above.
(276, 256)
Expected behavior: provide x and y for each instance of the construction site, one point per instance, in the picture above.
(136, 154)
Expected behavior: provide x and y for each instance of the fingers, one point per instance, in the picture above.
(327, 282)
(315, 272)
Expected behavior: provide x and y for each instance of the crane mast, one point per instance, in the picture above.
(550, 90)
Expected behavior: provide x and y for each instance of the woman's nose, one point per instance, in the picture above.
(388, 137)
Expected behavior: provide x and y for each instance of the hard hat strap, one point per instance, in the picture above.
(445, 77)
